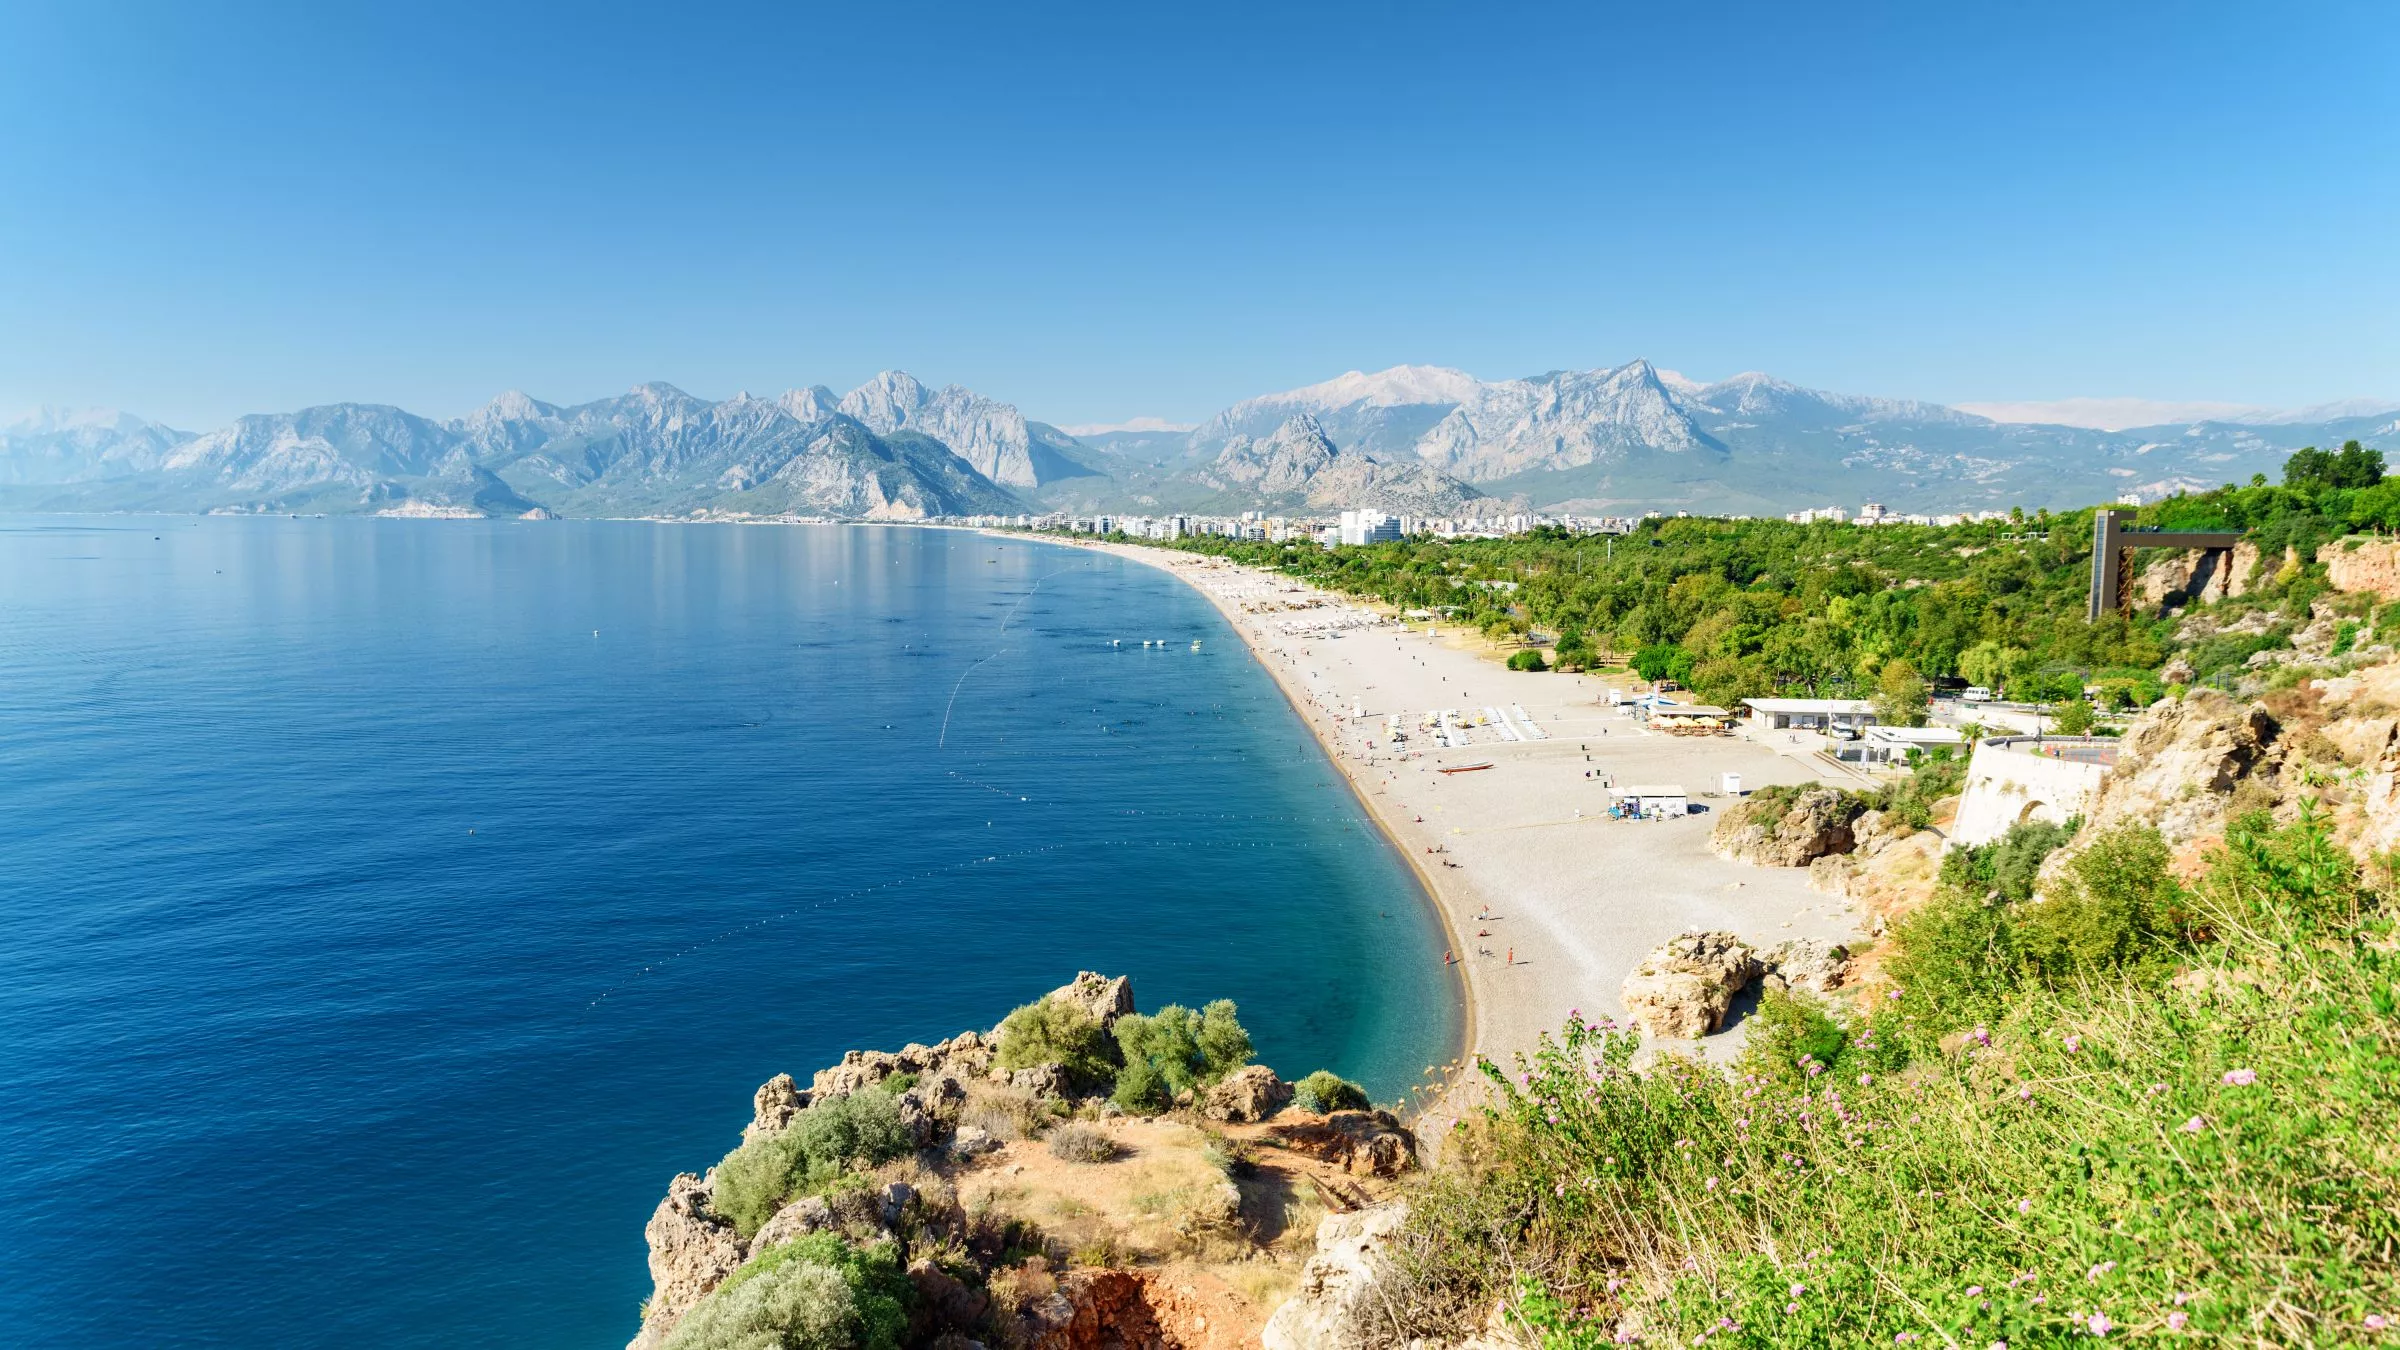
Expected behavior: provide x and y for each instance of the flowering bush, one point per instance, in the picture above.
(2109, 1155)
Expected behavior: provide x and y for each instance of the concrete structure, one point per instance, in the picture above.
(1810, 714)
(2113, 542)
(2019, 778)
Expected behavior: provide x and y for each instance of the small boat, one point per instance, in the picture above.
(1465, 768)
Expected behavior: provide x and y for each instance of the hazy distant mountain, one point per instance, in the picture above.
(652, 450)
(1411, 438)
(57, 445)
(1299, 465)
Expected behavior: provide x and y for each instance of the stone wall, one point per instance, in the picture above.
(2006, 784)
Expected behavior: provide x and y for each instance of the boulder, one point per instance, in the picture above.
(1683, 989)
(1249, 1094)
(1811, 965)
(808, 1214)
(1043, 1080)
(1363, 1143)
(778, 1100)
(966, 1056)
(1097, 994)
(1339, 1304)
(691, 1251)
(1776, 830)
(973, 1141)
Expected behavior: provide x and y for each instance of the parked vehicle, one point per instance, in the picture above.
(1976, 693)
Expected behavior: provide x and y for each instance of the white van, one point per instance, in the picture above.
(1976, 693)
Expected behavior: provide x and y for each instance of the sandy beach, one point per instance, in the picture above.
(1550, 904)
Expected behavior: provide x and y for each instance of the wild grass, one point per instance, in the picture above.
(2212, 1157)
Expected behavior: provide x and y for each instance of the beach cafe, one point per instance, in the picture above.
(1654, 802)
(1686, 717)
(1810, 714)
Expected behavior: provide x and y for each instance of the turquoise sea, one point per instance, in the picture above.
(389, 908)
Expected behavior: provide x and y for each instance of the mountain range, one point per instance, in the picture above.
(1421, 439)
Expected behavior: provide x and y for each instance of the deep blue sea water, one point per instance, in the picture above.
(389, 908)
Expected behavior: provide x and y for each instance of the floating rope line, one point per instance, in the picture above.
(942, 742)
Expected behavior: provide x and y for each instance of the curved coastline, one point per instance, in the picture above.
(1444, 902)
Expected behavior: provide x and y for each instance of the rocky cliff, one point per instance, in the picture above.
(1028, 1213)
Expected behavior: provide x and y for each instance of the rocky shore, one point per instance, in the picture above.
(1027, 1210)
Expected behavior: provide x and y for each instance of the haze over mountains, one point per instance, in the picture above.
(1419, 439)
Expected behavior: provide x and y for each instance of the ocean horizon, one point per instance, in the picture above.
(393, 907)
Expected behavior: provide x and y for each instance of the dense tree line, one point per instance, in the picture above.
(1750, 608)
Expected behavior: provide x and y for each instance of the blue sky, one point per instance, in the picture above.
(1123, 210)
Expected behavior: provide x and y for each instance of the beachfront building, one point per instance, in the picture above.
(1879, 745)
(1810, 714)
(1686, 717)
(1653, 800)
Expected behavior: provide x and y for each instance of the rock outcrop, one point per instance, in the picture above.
(1809, 965)
(778, 1100)
(691, 1250)
(2179, 765)
(1339, 1304)
(1097, 994)
(1247, 1094)
(1778, 829)
(1682, 989)
(1363, 1143)
(966, 1057)
(2363, 564)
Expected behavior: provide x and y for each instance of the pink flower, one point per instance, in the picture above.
(1710, 1184)
(1894, 996)
(2073, 1044)
(2240, 1077)
(2377, 1321)
(2097, 1271)
(1974, 1291)
(1980, 1036)
(2183, 1298)
(1865, 1078)
(2024, 1206)
(1791, 1307)
(2194, 1126)
(2099, 1323)
(1798, 1289)
(2024, 1094)
(1904, 1338)
(2176, 1320)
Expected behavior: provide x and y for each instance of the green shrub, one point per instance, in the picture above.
(2010, 863)
(1791, 1038)
(1180, 1050)
(2118, 910)
(1141, 1089)
(1053, 1031)
(823, 1142)
(2207, 1164)
(2073, 718)
(814, 1293)
(1528, 659)
(1325, 1092)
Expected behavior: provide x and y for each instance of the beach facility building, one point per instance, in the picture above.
(1810, 714)
(1655, 800)
(1687, 717)
(1895, 745)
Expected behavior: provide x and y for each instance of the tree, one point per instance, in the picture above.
(1054, 1031)
(2074, 717)
(1900, 697)
(2353, 466)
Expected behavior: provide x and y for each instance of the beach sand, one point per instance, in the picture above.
(1549, 909)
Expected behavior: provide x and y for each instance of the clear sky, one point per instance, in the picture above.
(1135, 209)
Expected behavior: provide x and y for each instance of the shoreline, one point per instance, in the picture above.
(1548, 904)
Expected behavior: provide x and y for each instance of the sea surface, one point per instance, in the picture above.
(388, 909)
